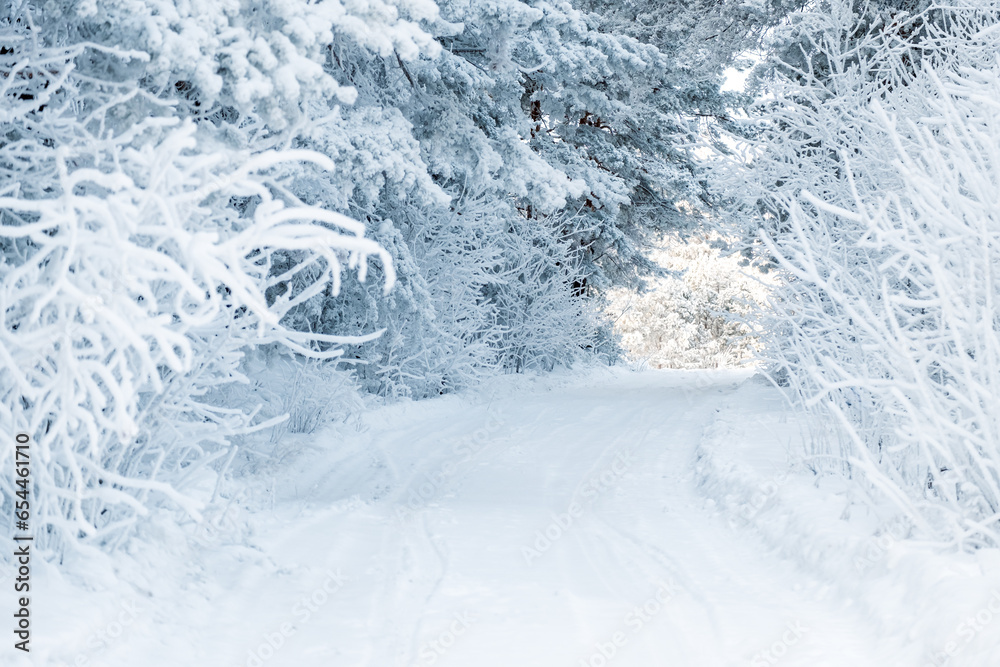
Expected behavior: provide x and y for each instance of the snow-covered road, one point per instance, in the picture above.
(577, 536)
(560, 527)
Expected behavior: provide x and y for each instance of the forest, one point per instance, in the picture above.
(225, 225)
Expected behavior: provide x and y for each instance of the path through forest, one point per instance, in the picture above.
(558, 527)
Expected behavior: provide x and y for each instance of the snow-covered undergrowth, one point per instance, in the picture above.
(702, 315)
(878, 174)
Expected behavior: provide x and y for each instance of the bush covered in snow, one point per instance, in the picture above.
(876, 171)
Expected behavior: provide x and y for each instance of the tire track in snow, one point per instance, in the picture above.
(655, 564)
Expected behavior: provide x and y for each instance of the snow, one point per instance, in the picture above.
(605, 517)
(701, 315)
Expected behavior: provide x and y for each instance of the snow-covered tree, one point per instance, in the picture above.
(132, 279)
(704, 314)
(534, 139)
